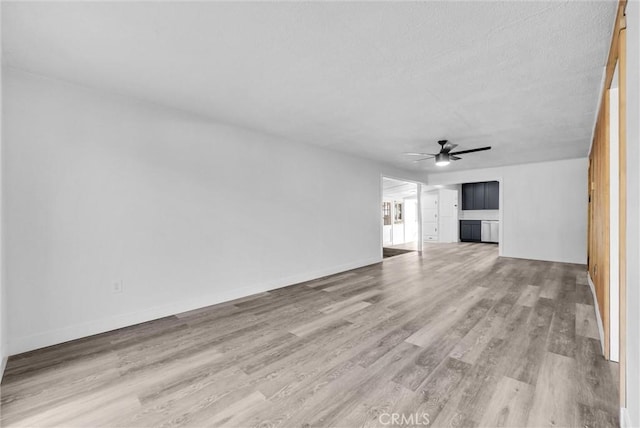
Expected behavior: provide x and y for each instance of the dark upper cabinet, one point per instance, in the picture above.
(492, 195)
(467, 196)
(481, 196)
(478, 196)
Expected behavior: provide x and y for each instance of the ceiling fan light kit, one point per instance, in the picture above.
(445, 156)
(442, 159)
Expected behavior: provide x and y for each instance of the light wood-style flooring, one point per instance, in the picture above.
(454, 333)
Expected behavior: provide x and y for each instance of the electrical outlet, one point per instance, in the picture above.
(117, 286)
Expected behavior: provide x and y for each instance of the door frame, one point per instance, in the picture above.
(622, 211)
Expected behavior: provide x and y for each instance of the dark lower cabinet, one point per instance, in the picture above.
(470, 230)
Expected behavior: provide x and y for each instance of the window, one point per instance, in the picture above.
(386, 213)
(399, 214)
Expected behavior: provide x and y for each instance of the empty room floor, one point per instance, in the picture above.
(454, 335)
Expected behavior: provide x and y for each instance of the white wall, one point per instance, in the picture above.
(633, 214)
(3, 300)
(543, 207)
(410, 219)
(397, 234)
(478, 214)
(102, 188)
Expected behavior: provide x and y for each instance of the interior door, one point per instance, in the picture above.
(430, 216)
(448, 220)
(387, 223)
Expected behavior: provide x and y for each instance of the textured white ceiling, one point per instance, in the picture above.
(373, 79)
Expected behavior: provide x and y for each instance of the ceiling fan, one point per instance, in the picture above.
(446, 155)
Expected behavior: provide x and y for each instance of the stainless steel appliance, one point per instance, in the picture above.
(490, 231)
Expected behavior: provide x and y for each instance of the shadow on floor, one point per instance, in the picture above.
(390, 252)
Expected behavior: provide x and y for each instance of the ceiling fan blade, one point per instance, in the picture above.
(428, 157)
(418, 154)
(451, 157)
(448, 147)
(461, 152)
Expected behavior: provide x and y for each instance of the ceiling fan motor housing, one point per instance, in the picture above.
(442, 158)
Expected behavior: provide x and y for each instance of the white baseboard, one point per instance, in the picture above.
(61, 335)
(597, 308)
(625, 420)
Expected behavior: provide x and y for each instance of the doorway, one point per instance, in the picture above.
(400, 217)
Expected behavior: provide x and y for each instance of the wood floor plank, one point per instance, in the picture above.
(225, 417)
(384, 345)
(595, 387)
(510, 404)
(361, 297)
(331, 412)
(550, 288)
(445, 320)
(529, 297)
(412, 375)
(349, 284)
(562, 338)
(583, 294)
(554, 400)
(435, 393)
(473, 343)
(526, 351)
(323, 321)
(586, 324)
(475, 390)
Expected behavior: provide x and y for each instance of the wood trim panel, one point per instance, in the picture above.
(622, 138)
(612, 59)
(599, 197)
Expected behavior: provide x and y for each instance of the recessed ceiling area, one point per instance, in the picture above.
(398, 189)
(371, 79)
